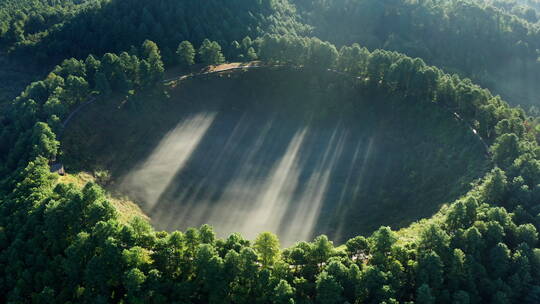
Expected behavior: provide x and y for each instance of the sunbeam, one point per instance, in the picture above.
(276, 193)
(151, 178)
(308, 205)
(353, 184)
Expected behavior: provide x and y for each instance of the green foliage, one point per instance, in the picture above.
(328, 290)
(423, 295)
(488, 41)
(383, 240)
(357, 246)
(60, 244)
(283, 293)
(66, 88)
(495, 187)
(98, 27)
(186, 54)
(267, 245)
(210, 53)
(102, 85)
(43, 142)
(492, 42)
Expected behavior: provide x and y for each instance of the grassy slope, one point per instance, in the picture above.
(126, 208)
(416, 180)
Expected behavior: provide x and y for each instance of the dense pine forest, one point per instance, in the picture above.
(494, 43)
(417, 121)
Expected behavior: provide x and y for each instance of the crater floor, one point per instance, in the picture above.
(281, 151)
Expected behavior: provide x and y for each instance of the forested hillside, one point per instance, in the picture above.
(493, 47)
(42, 33)
(67, 243)
(113, 26)
(495, 43)
(526, 9)
(481, 248)
(22, 23)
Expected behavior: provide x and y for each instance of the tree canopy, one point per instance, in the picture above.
(63, 243)
(481, 248)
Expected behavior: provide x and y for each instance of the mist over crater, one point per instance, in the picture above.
(297, 156)
(249, 175)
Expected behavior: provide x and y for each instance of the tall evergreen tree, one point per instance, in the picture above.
(210, 53)
(186, 54)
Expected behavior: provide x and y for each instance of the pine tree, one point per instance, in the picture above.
(102, 85)
(186, 54)
(329, 291)
(267, 245)
(423, 295)
(151, 53)
(210, 53)
(283, 293)
(251, 54)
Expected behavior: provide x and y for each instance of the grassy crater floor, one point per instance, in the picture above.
(293, 151)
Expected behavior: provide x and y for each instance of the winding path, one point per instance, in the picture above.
(76, 110)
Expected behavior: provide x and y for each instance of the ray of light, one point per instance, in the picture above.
(308, 206)
(256, 198)
(353, 194)
(276, 193)
(151, 178)
(248, 180)
(364, 167)
(351, 182)
(197, 202)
